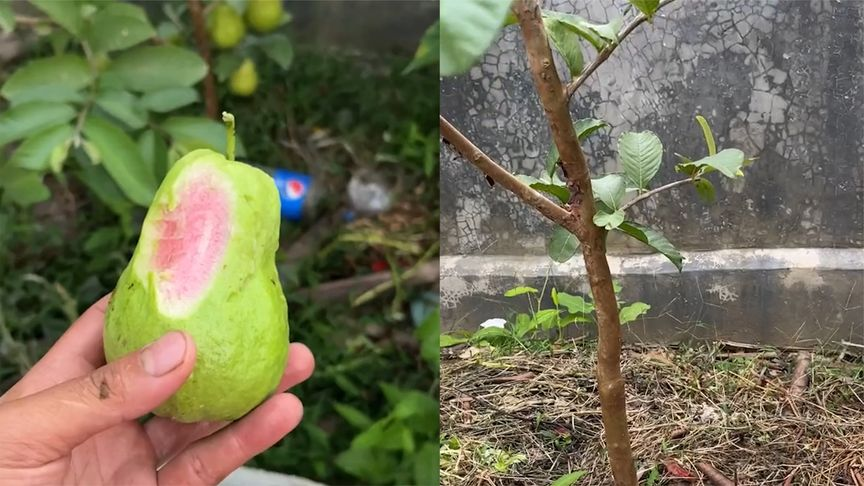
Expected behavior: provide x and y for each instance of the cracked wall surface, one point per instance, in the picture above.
(782, 80)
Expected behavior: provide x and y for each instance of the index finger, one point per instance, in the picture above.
(76, 353)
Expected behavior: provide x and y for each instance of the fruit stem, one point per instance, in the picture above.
(228, 118)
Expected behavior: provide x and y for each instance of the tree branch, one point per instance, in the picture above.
(502, 176)
(646, 195)
(211, 103)
(549, 87)
(607, 51)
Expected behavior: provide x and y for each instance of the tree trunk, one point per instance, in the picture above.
(555, 101)
(211, 103)
(613, 403)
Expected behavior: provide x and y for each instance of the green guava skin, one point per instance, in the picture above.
(240, 325)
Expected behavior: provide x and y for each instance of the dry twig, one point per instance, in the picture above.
(713, 475)
(800, 376)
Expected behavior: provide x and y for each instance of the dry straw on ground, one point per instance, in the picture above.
(689, 409)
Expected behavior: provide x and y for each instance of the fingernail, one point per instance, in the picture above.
(164, 355)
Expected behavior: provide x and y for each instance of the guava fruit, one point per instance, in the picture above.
(264, 15)
(244, 80)
(226, 27)
(205, 264)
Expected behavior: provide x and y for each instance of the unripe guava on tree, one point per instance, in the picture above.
(205, 264)
(244, 80)
(264, 15)
(226, 27)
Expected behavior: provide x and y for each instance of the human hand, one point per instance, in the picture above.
(72, 419)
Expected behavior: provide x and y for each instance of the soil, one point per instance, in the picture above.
(691, 410)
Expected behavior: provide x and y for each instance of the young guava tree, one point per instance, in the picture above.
(585, 209)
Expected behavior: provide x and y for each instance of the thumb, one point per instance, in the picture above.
(60, 418)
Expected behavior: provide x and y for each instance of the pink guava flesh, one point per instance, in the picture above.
(191, 239)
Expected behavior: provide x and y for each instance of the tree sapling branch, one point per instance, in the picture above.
(501, 175)
(607, 51)
(652, 192)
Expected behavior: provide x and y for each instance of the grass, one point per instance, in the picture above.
(372, 360)
(729, 408)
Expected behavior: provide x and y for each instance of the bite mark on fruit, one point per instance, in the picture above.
(191, 237)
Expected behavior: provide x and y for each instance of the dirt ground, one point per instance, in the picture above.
(533, 417)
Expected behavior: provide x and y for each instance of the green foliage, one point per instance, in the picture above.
(22, 187)
(191, 132)
(145, 69)
(427, 53)
(278, 48)
(569, 479)
(122, 160)
(499, 460)
(386, 117)
(447, 340)
(632, 312)
(641, 154)
(386, 451)
(709, 136)
(168, 99)
(609, 221)
(117, 27)
(728, 161)
(7, 18)
(575, 304)
(123, 106)
(576, 27)
(535, 326)
(584, 128)
(106, 90)
(647, 7)
(32, 117)
(654, 239)
(653, 476)
(54, 77)
(67, 14)
(274, 48)
(520, 291)
(705, 190)
(36, 153)
(609, 31)
(565, 43)
(467, 29)
(562, 244)
(370, 417)
(609, 190)
(50, 272)
(46, 94)
(553, 188)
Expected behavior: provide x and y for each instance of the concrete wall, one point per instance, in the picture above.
(782, 80)
(389, 26)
